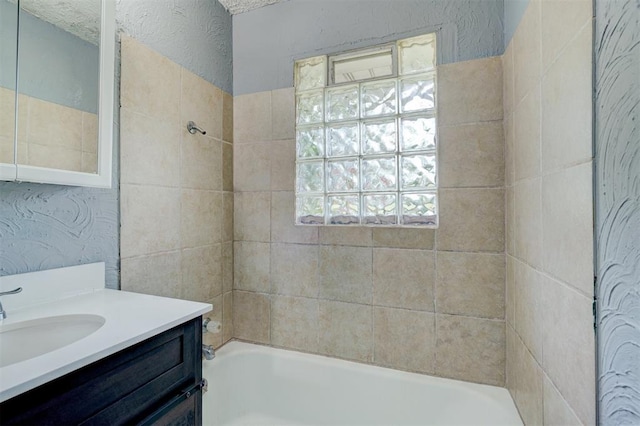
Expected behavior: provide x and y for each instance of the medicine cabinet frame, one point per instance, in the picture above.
(103, 177)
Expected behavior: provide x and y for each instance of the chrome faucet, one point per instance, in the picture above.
(3, 314)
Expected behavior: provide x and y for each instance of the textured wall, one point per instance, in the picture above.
(193, 33)
(44, 227)
(55, 65)
(618, 209)
(266, 41)
(549, 221)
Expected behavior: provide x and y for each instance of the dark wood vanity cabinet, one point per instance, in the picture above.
(157, 381)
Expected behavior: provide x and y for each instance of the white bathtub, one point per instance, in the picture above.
(257, 385)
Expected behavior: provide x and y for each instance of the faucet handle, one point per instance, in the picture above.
(14, 291)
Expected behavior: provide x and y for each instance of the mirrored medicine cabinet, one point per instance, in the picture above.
(56, 91)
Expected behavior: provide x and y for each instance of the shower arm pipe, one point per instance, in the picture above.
(193, 128)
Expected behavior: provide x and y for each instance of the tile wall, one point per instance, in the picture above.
(49, 134)
(549, 220)
(430, 301)
(176, 188)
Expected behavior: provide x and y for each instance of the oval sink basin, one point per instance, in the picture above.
(28, 339)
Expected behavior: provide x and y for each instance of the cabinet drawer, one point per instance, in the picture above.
(118, 389)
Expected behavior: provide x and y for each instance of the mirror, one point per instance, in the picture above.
(65, 54)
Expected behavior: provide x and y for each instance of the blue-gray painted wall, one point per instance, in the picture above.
(55, 65)
(617, 160)
(48, 226)
(513, 13)
(266, 41)
(193, 33)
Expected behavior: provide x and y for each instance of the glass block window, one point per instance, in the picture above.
(366, 141)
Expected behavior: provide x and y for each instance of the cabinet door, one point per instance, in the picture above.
(120, 389)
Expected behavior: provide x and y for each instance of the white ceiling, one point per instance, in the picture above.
(240, 6)
(79, 17)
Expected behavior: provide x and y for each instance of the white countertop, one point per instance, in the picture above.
(130, 319)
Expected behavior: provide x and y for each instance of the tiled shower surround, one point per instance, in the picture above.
(549, 222)
(424, 300)
(177, 204)
(416, 299)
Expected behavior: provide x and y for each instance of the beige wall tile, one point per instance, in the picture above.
(227, 316)
(251, 219)
(89, 132)
(561, 21)
(252, 118)
(507, 82)
(209, 338)
(345, 274)
(202, 273)
(227, 266)
(201, 162)
(346, 236)
(471, 284)
(54, 157)
(52, 125)
(227, 216)
(527, 135)
(283, 165)
(526, 52)
(294, 323)
(227, 167)
(470, 91)
(23, 111)
(470, 349)
(149, 150)
(509, 150)
(6, 149)
(528, 386)
(89, 162)
(418, 238)
(528, 222)
(471, 220)
(567, 106)
(252, 167)
(529, 308)
(556, 410)
(569, 347)
(510, 291)
(158, 274)
(149, 220)
(404, 339)
(471, 155)
(511, 367)
(567, 200)
(294, 270)
(201, 103)
(283, 228)
(143, 73)
(251, 316)
(284, 116)
(510, 220)
(404, 278)
(251, 266)
(227, 117)
(201, 218)
(8, 116)
(345, 330)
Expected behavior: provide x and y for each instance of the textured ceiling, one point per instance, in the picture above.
(79, 17)
(239, 6)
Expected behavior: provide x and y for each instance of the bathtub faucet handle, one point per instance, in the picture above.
(207, 352)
